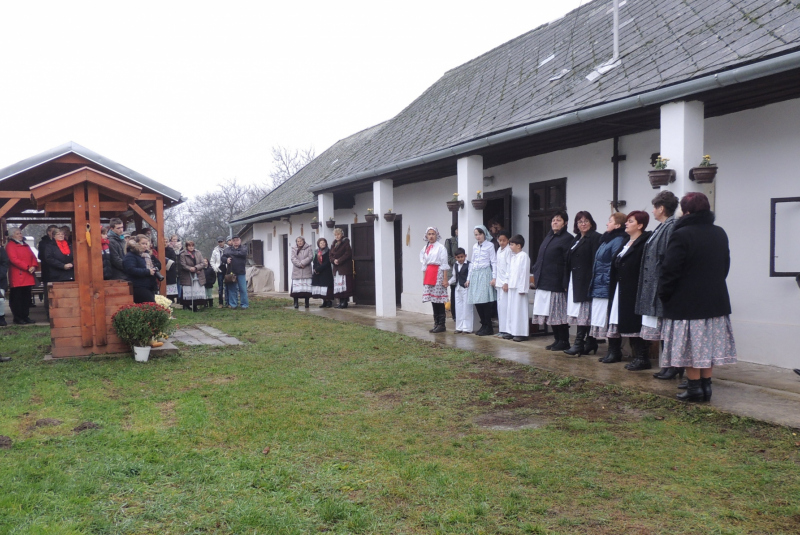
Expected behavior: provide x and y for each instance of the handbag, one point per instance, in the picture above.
(230, 277)
(431, 274)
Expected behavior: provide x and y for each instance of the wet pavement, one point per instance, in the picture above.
(762, 392)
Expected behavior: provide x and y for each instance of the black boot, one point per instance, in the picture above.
(669, 373)
(563, 338)
(306, 302)
(579, 347)
(295, 303)
(441, 317)
(641, 349)
(614, 351)
(683, 384)
(705, 384)
(694, 392)
(590, 345)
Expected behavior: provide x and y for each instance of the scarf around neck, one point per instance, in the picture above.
(63, 246)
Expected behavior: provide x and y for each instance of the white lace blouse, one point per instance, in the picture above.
(483, 256)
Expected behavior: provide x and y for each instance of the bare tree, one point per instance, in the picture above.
(286, 162)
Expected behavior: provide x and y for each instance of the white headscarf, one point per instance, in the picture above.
(485, 232)
(438, 236)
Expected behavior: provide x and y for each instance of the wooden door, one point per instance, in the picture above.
(498, 207)
(545, 199)
(363, 244)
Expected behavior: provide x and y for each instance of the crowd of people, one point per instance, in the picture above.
(665, 286)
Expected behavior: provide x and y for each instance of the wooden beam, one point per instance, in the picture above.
(96, 262)
(55, 187)
(160, 245)
(15, 194)
(145, 217)
(82, 258)
(105, 206)
(11, 203)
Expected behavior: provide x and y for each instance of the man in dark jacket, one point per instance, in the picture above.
(116, 247)
(46, 241)
(235, 258)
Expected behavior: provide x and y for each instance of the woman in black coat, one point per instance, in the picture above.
(697, 328)
(579, 262)
(549, 276)
(58, 257)
(622, 318)
(172, 271)
(141, 276)
(341, 256)
(322, 275)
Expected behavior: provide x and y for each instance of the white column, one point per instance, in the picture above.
(682, 135)
(470, 180)
(385, 297)
(325, 201)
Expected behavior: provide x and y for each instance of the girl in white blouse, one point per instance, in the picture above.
(433, 258)
(483, 269)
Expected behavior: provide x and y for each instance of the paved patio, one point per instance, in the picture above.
(762, 392)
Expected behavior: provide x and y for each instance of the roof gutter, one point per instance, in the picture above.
(288, 211)
(746, 73)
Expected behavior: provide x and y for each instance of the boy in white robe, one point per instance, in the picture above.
(503, 265)
(463, 308)
(519, 275)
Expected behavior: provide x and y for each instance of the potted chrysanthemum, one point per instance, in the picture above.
(138, 324)
(660, 175)
(705, 172)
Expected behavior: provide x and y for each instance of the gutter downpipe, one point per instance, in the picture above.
(615, 183)
(665, 94)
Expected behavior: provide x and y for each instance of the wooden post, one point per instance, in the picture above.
(160, 246)
(83, 270)
(98, 290)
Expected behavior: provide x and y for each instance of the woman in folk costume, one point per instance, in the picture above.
(302, 256)
(580, 261)
(503, 266)
(341, 256)
(550, 301)
(434, 265)
(610, 242)
(519, 281)
(483, 269)
(459, 279)
(322, 278)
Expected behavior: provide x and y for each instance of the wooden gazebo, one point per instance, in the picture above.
(73, 184)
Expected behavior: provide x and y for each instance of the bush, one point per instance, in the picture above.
(137, 324)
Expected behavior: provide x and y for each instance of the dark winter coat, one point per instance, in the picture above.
(548, 272)
(211, 277)
(116, 247)
(55, 261)
(579, 263)
(238, 256)
(341, 251)
(172, 272)
(692, 282)
(44, 243)
(186, 261)
(647, 301)
(322, 274)
(4, 265)
(136, 271)
(625, 274)
(601, 271)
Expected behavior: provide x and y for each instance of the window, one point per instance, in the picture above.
(784, 250)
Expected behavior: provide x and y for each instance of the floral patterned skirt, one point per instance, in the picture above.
(437, 293)
(698, 343)
(557, 314)
(650, 332)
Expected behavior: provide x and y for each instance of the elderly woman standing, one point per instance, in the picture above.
(322, 279)
(647, 302)
(302, 256)
(192, 269)
(551, 280)
(482, 271)
(610, 242)
(433, 258)
(341, 256)
(58, 258)
(138, 271)
(21, 276)
(696, 328)
(578, 268)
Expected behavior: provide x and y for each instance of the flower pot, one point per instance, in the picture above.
(479, 204)
(703, 175)
(315, 225)
(661, 177)
(391, 216)
(330, 223)
(370, 217)
(141, 354)
(455, 206)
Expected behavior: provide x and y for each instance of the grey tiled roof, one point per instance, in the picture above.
(295, 191)
(662, 42)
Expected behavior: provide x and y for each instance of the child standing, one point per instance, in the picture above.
(519, 277)
(459, 278)
(503, 266)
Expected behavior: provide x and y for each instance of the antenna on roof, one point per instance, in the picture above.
(616, 31)
(614, 61)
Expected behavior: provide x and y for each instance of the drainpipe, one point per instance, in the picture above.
(616, 203)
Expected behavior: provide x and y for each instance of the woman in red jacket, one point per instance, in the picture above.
(21, 276)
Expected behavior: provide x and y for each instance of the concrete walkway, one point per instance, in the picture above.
(203, 335)
(762, 392)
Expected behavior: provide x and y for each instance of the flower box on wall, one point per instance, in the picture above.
(370, 218)
(661, 177)
(330, 223)
(455, 206)
(315, 225)
(703, 175)
(390, 216)
(479, 204)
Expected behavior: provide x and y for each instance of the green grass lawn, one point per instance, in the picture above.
(368, 432)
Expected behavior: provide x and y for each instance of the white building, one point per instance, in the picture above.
(536, 124)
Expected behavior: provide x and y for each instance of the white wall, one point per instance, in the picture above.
(271, 233)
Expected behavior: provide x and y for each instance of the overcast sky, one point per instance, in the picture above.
(192, 93)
